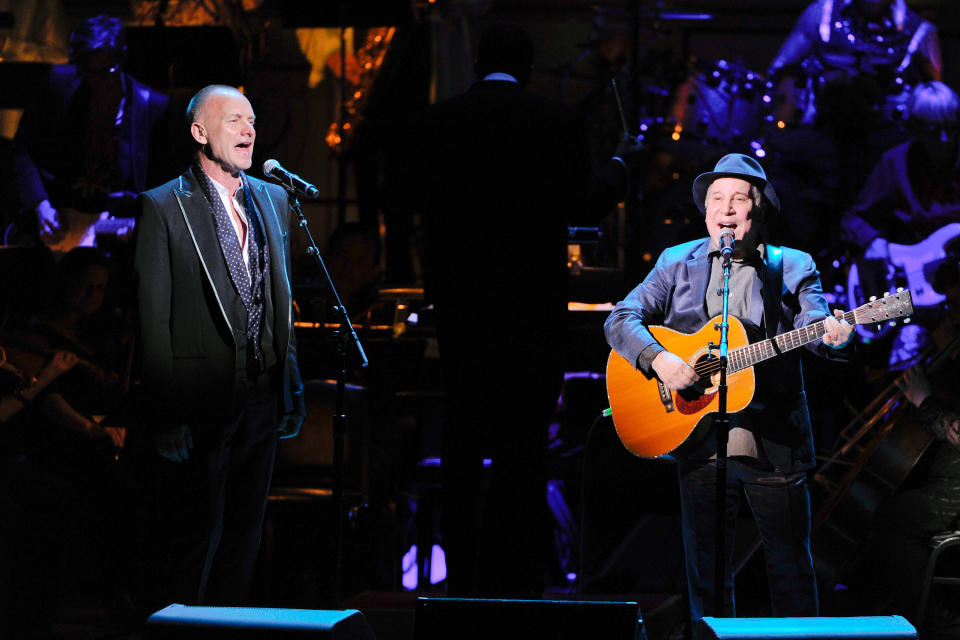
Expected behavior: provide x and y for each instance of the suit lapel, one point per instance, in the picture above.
(276, 235)
(199, 220)
(698, 268)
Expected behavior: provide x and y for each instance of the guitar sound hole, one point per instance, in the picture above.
(695, 398)
(709, 365)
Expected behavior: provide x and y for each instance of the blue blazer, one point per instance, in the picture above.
(674, 295)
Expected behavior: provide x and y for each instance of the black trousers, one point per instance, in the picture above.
(495, 523)
(211, 507)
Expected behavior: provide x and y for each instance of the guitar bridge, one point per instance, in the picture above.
(665, 396)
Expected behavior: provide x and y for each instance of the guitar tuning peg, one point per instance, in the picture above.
(886, 294)
(906, 320)
(899, 289)
(873, 298)
(892, 323)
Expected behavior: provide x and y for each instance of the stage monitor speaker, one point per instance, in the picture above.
(493, 619)
(860, 628)
(178, 622)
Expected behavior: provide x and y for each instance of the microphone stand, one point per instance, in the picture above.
(345, 335)
(721, 425)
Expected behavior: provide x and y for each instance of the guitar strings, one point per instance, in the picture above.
(711, 366)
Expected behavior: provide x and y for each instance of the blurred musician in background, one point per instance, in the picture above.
(78, 432)
(85, 146)
(914, 189)
(891, 570)
(849, 66)
(78, 320)
(498, 174)
(912, 197)
(40, 512)
(881, 45)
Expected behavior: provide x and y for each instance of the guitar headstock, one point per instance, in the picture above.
(890, 307)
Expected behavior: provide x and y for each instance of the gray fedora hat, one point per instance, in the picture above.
(734, 165)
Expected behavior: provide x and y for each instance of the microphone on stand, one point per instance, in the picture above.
(726, 241)
(273, 169)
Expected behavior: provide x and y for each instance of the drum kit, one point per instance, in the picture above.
(725, 104)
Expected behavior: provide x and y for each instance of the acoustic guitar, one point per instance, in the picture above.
(653, 421)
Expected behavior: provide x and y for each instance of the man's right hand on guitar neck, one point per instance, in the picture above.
(673, 371)
(48, 222)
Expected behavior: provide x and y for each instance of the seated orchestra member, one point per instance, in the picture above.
(889, 578)
(75, 434)
(770, 447)
(77, 321)
(40, 514)
(87, 143)
(353, 260)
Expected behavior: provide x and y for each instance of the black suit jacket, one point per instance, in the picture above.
(499, 173)
(193, 322)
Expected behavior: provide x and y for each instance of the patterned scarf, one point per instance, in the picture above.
(250, 289)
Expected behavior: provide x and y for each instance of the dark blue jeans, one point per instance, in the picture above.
(780, 504)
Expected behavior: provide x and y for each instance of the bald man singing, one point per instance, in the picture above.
(220, 379)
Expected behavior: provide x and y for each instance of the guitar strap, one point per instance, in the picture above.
(772, 289)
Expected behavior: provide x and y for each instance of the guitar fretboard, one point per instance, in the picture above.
(751, 354)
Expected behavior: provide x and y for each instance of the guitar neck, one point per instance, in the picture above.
(749, 355)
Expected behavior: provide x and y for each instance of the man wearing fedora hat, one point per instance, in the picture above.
(770, 446)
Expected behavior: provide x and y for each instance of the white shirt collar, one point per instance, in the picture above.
(225, 192)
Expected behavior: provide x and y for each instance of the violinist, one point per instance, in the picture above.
(71, 436)
(76, 320)
(891, 569)
(36, 507)
(20, 390)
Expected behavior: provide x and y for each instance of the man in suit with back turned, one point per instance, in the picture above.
(498, 174)
(220, 376)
